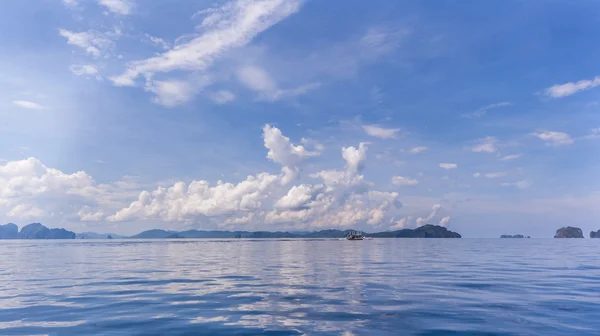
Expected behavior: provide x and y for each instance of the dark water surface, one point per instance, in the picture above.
(301, 287)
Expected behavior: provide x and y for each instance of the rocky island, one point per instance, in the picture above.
(425, 231)
(33, 231)
(9, 231)
(514, 236)
(595, 234)
(569, 232)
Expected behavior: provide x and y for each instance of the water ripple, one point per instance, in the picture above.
(300, 287)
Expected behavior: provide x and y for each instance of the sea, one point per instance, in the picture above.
(300, 287)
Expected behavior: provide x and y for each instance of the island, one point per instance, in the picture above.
(514, 236)
(595, 234)
(425, 231)
(9, 231)
(39, 231)
(569, 232)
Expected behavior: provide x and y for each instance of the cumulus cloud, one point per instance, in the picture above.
(434, 211)
(355, 157)
(381, 132)
(29, 189)
(224, 28)
(342, 198)
(552, 138)
(419, 149)
(444, 221)
(282, 151)
(174, 92)
(29, 105)
(122, 7)
(448, 165)
(482, 111)
(485, 145)
(567, 89)
(404, 181)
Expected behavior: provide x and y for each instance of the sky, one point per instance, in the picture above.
(127, 115)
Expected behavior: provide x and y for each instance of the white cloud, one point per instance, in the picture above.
(83, 69)
(122, 7)
(222, 97)
(92, 42)
(485, 145)
(401, 223)
(482, 111)
(381, 132)
(404, 181)
(552, 138)
(476, 175)
(355, 157)
(170, 93)
(434, 211)
(343, 199)
(594, 134)
(519, 184)
(567, 89)
(258, 80)
(496, 175)
(444, 221)
(70, 3)
(29, 105)
(29, 189)
(282, 151)
(419, 149)
(448, 165)
(224, 28)
(157, 41)
(86, 215)
(511, 157)
(298, 197)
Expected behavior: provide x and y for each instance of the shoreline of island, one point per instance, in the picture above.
(39, 231)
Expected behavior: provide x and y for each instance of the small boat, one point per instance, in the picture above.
(355, 235)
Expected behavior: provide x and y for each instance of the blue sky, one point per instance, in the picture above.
(123, 115)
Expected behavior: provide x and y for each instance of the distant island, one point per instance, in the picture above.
(514, 236)
(38, 231)
(33, 231)
(569, 232)
(595, 234)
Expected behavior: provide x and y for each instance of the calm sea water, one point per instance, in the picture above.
(301, 287)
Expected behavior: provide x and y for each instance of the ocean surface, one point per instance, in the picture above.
(301, 287)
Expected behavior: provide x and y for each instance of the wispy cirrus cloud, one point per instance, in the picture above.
(122, 7)
(404, 181)
(510, 157)
(229, 26)
(484, 110)
(381, 132)
(91, 41)
(418, 149)
(29, 105)
(485, 145)
(570, 88)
